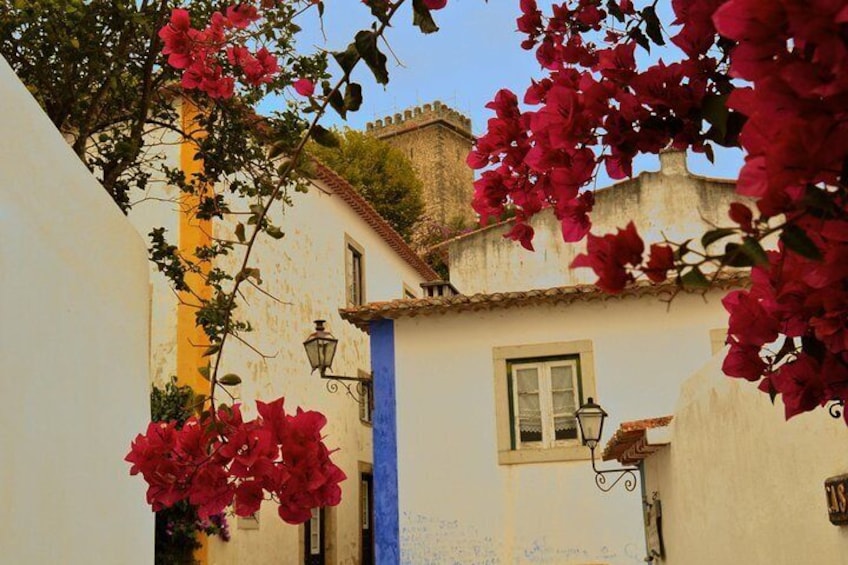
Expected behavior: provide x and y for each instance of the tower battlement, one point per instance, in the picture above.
(420, 116)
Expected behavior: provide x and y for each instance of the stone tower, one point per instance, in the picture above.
(436, 139)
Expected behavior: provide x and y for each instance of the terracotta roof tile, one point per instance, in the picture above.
(360, 316)
(373, 218)
(629, 445)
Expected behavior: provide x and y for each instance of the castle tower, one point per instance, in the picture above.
(437, 140)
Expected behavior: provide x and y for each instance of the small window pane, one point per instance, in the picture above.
(529, 405)
(315, 532)
(562, 377)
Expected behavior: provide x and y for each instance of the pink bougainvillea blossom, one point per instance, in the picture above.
(304, 87)
(278, 455)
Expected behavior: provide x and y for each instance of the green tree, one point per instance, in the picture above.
(381, 173)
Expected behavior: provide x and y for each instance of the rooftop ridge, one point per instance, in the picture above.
(419, 115)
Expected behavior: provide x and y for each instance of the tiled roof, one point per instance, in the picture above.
(373, 218)
(629, 444)
(360, 316)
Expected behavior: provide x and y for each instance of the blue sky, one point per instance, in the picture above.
(475, 53)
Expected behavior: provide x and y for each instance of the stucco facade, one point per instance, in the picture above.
(74, 311)
(670, 202)
(739, 484)
(456, 500)
(436, 139)
(460, 484)
(306, 272)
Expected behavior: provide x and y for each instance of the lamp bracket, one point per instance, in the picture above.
(626, 473)
(367, 379)
(355, 391)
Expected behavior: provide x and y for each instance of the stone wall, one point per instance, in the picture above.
(437, 140)
(670, 203)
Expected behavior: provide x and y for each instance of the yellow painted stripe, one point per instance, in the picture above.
(194, 233)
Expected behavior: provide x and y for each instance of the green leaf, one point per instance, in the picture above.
(325, 137)
(353, 97)
(714, 235)
(797, 240)
(639, 37)
(366, 46)
(240, 232)
(714, 110)
(615, 10)
(694, 278)
(755, 251)
(348, 58)
(380, 10)
(275, 232)
(747, 254)
(204, 371)
(422, 18)
(338, 103)
(734, 257)
(212, 350)
(652, 25)
(708, 151)
(229, 379)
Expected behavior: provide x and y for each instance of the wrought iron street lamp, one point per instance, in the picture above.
(321, 349)
(590, 418)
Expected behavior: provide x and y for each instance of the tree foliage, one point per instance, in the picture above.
(380, 173)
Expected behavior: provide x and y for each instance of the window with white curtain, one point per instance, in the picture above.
(544, 396)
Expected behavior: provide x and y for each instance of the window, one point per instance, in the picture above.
(354, 277)
(544, 398)
(366, 402)
(537, 390)
(313, 530)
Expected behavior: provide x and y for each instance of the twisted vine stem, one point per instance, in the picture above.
(238, 279)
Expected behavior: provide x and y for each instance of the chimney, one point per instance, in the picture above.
(673, 162)
(438, 289)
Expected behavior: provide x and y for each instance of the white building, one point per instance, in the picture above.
(476, 450)
(74, 326)
(730, 481)
(336, 251)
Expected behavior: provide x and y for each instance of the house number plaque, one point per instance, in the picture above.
(836, 489)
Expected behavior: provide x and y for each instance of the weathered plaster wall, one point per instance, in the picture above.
(74, 307)
(457, 504)
(670, 202)
(436, 139)
(306, 272)
(738, 484)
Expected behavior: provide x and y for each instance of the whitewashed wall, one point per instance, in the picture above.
(457, 504)
(738, 484)
(669, 202)
(306, 271)
(74, 309)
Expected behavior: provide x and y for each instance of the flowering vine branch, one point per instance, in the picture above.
(769, 77)
(217, 458)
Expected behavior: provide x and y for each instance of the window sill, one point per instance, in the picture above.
(550, 455)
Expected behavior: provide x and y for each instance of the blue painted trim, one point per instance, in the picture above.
(386, 527)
